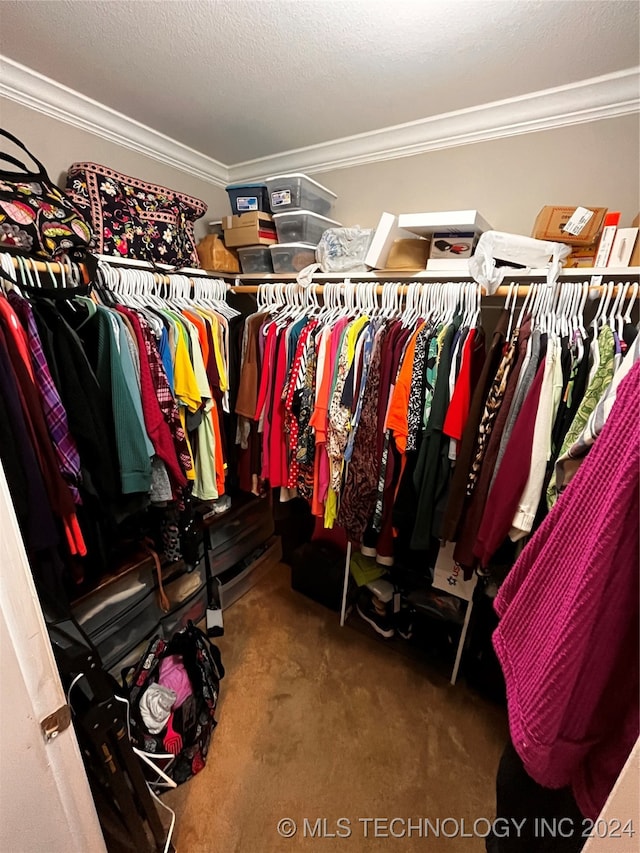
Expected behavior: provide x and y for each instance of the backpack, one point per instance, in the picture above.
(191, 725)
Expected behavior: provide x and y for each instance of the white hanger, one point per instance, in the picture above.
(510, 301)
(574, 291)
(630, 304)
(27, 273)
(397, 300)
(384, 304)
(580, 334)
(409, 298)
(453, 297)
(217, 298)
(601, 313)
(470, 296)
(313, 306)
(373, 296)
(616, 318)
(417, 305)
(623, 290)
(149, 285)
(6, 261)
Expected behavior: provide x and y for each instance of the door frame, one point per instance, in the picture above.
(44, 792)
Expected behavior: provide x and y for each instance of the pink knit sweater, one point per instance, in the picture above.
(568, 637)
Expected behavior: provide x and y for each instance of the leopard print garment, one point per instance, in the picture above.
(361, 481)
(491, 409)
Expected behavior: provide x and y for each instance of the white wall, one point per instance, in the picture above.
(622, 807)
(57, 145)
(508, 180)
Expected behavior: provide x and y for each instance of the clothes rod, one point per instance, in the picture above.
(503, 290)
(162, 272)
(623, 276)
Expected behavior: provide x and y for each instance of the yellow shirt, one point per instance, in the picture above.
(186, 388)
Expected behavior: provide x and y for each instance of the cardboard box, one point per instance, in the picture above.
(448, 245)
(214, 255)
(582, 256)
(552, 220)
(249, 229)
(408, 254)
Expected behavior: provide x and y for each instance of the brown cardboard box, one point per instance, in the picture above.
(249, 229)
(550, 222)
(635, 255)
(409, 254)
(214, 255)
(582, 256)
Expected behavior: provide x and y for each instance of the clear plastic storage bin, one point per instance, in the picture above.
(292, 257)
(298, 192)
(245, 198)
(302, 226)
(255, 259)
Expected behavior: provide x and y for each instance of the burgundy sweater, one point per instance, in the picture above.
(568, 637)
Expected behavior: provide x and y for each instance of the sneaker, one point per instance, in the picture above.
(404, 623)
(438, 604)
(221, 504)
(375, 616)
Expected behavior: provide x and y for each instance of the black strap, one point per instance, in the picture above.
(55, 293)
(20, 144)
(6, 277)
(14, 162)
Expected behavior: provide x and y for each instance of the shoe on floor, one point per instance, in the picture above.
(364, 569)
(403, 622)
(438, 604)
(375, 616)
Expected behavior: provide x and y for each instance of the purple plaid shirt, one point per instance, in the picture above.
(55, 415)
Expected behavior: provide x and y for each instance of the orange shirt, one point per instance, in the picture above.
(398, 411)
(199, 323)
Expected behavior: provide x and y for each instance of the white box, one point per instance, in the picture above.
(386, 233)
(454, 221)
(623, 247)
(605, 245)
(456, 265)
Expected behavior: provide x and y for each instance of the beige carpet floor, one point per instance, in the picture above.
(318, 721)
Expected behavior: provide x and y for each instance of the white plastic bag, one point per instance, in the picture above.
(344, 249)
(518, 250)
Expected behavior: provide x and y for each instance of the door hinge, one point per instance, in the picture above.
(55, 723)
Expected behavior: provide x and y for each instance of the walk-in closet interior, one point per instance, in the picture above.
(319, 426)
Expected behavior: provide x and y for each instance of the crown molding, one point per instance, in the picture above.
(608, 96)
(40, 93)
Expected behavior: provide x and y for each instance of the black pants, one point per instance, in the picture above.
(549, 820)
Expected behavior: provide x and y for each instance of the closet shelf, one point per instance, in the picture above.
(432, 275)
(240, 279)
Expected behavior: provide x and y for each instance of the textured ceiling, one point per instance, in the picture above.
(249, 78)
